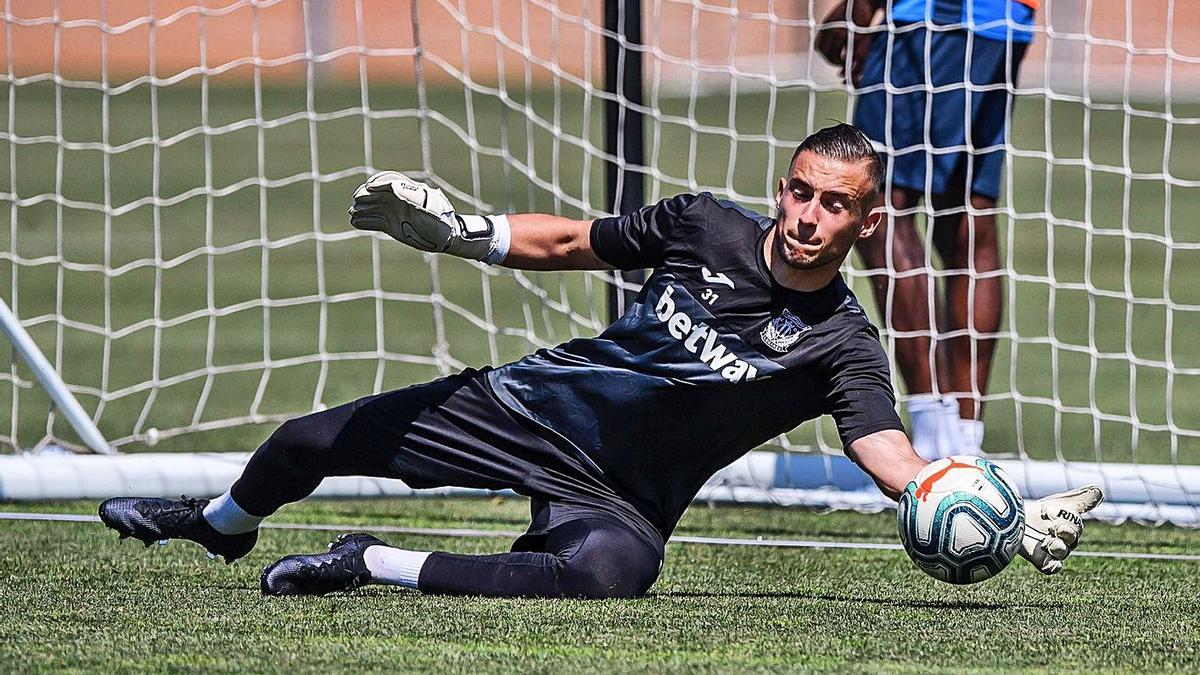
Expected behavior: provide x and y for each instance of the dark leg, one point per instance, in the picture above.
(290, 464)
(356, 439)
(286, 468)
(588, 558)
(909, 307)
(969, 246)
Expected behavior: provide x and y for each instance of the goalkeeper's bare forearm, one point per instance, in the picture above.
(544, 242)
(888, 458)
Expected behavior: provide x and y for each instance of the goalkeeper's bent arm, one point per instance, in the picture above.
(1053, 524)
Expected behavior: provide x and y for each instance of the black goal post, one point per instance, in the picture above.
(623, 129)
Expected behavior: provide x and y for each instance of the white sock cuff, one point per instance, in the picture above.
(227, 517)
(972, 435)
(922, 403)
(394, 566)
(923, 413)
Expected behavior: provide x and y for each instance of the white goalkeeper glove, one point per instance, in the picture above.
(1053, 526)
(413, 213)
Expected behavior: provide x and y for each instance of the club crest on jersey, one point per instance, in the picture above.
(784, 331)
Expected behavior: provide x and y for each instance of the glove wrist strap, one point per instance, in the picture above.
(483, 238)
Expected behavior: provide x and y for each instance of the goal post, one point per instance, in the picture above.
(624, 130)
(175, 177)
(49, 379)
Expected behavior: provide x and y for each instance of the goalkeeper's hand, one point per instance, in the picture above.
(421, 216)
(1053, 526)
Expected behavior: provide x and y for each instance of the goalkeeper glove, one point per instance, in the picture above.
(1053, 526)
(413, 213)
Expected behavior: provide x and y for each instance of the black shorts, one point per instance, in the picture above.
(456, 432)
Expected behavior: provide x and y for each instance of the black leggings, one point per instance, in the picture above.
(455, 432)
(587, 558)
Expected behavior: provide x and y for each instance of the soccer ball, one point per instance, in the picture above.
(961, 519)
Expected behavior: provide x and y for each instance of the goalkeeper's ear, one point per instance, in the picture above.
(872, 205)
(871, 221)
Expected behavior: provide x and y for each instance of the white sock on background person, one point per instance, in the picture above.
(227, 517)
(924, 411)
(949, 438)
(394, 566)
(971, 434)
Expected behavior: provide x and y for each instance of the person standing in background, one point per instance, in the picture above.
(934, 84)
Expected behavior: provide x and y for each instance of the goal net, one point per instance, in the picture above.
(174, 177)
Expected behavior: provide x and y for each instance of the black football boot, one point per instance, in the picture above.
(150, 519)
(342, 568)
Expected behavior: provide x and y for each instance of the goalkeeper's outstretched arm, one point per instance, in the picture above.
(888, 458)
(421, 216)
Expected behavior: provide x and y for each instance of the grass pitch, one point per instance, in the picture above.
(73, 598)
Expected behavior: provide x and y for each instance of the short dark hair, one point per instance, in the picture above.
(847, 143)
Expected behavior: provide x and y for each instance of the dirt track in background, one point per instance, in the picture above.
(479, 39)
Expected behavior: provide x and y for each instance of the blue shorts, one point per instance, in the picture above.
(938, 143)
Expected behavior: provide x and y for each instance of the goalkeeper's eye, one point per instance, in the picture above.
(835, 206)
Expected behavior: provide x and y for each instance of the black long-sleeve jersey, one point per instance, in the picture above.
(712, 359)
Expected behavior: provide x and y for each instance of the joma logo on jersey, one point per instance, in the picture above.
(701, 340)
(718, 278)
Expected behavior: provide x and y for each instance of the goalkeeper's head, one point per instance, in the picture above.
(829, 199)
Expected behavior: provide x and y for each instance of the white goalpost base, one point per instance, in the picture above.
(1147, 494)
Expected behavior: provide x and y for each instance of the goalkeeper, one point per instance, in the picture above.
(744, 330)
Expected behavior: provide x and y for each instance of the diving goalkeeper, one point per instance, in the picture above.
(744, 330)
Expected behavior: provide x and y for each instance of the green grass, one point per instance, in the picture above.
(1102, 238)
(75, 599)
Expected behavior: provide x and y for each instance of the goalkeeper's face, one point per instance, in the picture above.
(825, 206)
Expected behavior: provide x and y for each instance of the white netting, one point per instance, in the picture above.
(177, 175)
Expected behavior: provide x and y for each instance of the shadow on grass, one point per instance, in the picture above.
(885, 602)
(377, 591)
(244, 588)
(784, 533)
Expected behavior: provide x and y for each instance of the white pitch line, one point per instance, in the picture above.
(717, 541)
(54, 517)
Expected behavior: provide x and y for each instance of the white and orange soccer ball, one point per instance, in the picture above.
(961, 519)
